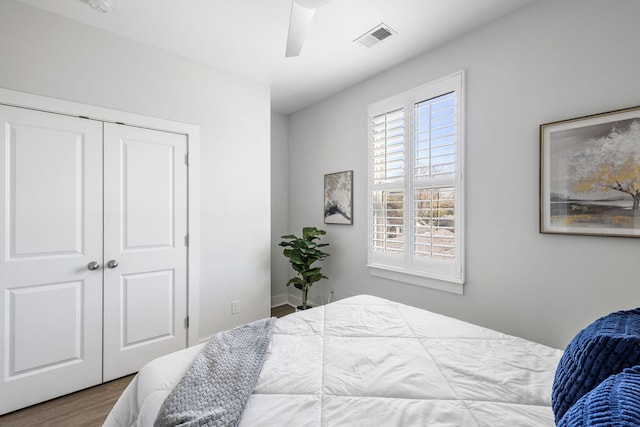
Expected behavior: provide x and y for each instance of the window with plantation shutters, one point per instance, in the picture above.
(415, 186)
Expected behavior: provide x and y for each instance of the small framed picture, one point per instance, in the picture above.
(590, 175)
(338, 198)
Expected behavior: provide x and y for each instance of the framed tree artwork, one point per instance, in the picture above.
(590, 175)
(338, 198)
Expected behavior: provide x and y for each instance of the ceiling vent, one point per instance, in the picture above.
(375, 35)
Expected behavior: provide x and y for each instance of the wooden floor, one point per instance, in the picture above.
(282, 310)
(86, 408)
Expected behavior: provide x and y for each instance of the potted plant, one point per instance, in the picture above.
(302, 253)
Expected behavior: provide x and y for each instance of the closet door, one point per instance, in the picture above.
(50, 255)
(145, 254)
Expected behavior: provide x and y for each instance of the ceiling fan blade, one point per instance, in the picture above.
(298, 25)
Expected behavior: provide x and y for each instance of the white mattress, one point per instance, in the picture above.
(366, 361)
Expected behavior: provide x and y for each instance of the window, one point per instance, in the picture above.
(415, 185)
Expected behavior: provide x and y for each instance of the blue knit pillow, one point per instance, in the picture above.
(604, 348)
(615, 402)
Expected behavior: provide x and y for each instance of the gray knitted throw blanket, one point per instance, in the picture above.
(215, 389)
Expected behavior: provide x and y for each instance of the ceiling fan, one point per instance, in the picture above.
(302, 12)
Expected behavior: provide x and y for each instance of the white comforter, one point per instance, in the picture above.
(366, 361)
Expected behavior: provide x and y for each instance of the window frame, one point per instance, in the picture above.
(405, 267)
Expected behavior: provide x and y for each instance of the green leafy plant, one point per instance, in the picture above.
(302, 253)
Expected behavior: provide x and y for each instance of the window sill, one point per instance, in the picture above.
(432, 281)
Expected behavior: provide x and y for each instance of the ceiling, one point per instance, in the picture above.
(248, 37)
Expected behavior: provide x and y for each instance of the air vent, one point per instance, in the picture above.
(375, 35)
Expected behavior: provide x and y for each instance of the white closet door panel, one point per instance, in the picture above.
(62, 338)
(148, 201)
(149, 309)
(46, 212)
(50, 229)
(145, 226)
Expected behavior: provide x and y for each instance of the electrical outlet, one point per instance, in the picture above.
(332, 294)
(235, 307)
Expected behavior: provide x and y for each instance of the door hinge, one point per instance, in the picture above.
(186, 322)
(186, 159)
(186, 240)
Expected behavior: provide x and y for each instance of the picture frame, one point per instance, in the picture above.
(590, 175)
(338, 198)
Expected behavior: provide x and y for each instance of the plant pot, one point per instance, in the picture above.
(303, 307)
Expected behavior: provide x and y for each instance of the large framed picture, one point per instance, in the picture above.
(590, 175)
(338, 198)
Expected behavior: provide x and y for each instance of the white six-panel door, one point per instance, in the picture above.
(50, 230)
(145, 297)
(93, 280)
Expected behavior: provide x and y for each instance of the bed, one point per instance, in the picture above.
(367, 361)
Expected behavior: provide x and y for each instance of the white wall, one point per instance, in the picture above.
(52, 56)
(550, 61)
(279, 206)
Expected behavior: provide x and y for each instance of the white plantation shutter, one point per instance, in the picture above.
(415, 185)
(388, 146)
(434, 164)
(388, 165)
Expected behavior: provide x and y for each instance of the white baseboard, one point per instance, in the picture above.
(285, 299)
(277, 300)
(292, 300)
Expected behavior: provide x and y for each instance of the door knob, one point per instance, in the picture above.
(112, 264)
(93, 265)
